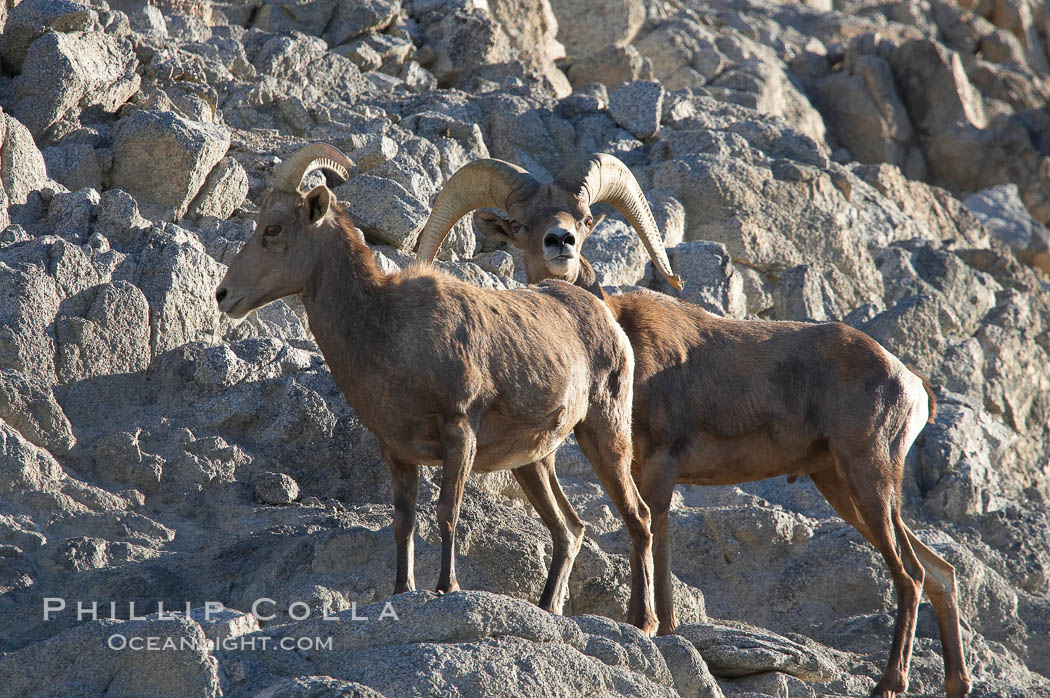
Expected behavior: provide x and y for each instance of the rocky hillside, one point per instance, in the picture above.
(882, 163)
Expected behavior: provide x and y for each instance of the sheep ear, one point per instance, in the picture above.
(318, 201)
(495, 227)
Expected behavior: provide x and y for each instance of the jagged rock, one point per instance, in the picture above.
(115, 365)
(462, 42)
(144, 17)
(957, 460)
(769, 683)
(531, 28)
(63, 72)
(223, 190)
(612, 66)
(117, 217)
(417, 78)
(112, 665)
(463, 639)
(669, 215)
(178, 279)
(29, 406)
(497, 262)
(75, 165)
(102, 331)
(933, 209)
(621, 20)
(30, 19)
(224, 624)
(913, 268)
(637, 107)
(352, 19)
(711, 281)
(1002, 212)
(188, 150)
(384, 210)
(36, 276)
(734, 649)
(299, 16)
(914, 329)
(802, 294)
(276, 488)
(692, 678)
(69, 214)
(723, 203)
(616, 252)
(935, 87)
(674, 46)
(865, 113)
(317, 686)
(22, 166)
(119, 458)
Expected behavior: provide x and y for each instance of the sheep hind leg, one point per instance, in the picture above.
(873, 510)
(607, 444)
(404, 481)
(576, 525)
(539, 481)
(940, 587)
(459, 445)
(939, 584)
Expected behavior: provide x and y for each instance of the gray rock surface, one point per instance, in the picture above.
(276, 488)
(621, 21)
(23, 167)
(879, 164)
(1002, 212)
(637, 107)
(62, 72)
(384, 210)
(189, 150)
(29, 20)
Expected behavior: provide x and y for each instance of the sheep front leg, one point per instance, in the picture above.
(459, 444)
(656, 481)
(404, 481)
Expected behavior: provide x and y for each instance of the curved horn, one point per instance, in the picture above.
(289, 174)
(608, 180)
(479, 184)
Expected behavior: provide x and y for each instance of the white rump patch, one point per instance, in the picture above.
(919, 403)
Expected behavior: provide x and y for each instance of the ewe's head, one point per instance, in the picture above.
(549, 222)
(280, 256)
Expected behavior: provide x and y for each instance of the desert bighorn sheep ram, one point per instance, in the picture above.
(720, 401)
(447, 374)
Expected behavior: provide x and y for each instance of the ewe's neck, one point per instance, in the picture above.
(587, 279)
(343, 298)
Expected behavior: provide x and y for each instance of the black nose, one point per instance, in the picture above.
(219, 295)
(561, 238)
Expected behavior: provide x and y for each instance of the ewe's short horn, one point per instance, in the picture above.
(606, 179)
(479, 184)
(290, 173)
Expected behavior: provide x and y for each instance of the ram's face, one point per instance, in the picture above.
(549, 229)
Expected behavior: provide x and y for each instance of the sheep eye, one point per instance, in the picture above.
(271, 230)
(515, 227)
(588, 221)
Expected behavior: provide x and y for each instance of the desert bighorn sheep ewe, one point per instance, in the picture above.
(720, 401)
(447, 374)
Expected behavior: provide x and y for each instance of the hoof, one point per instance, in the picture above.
(959, 688)
(454, 586)
(893, 684)
(647, 626)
